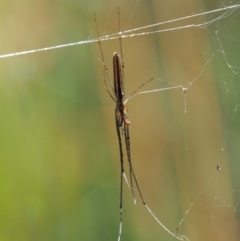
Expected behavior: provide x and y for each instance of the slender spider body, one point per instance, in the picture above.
(121, 110)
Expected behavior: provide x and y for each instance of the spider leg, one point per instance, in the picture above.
(132, 173)
(127, 142)
(121, 177)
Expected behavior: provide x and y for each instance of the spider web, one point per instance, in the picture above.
(60, 157)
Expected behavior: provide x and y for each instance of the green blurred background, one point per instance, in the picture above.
(59, 157)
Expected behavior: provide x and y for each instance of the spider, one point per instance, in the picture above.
(122, 124)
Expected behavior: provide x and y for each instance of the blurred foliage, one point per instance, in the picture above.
(59, 156)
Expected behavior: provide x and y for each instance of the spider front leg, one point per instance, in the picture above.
(127, 142)
(122, 173)
(132, 173)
